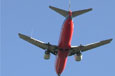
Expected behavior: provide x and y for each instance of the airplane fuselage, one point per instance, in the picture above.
(64, 47)
(64, 43)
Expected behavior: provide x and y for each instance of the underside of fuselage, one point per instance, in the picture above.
(66, 36)
(64, 44)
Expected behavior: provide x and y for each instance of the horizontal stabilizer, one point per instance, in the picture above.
(76, 13)
(60, 11)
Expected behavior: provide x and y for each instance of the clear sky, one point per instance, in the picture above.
(34, 18)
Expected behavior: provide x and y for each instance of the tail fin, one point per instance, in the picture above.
(74, 13)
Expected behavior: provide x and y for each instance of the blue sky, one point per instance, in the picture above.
(34, 18)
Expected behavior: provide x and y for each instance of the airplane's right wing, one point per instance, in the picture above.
(83, 48)
(38, 43)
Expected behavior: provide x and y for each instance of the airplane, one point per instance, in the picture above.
(64, 48)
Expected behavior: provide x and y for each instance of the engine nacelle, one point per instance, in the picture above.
(78, 57)
(47, 55)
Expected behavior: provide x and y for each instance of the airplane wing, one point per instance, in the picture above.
(38, 43)
(81, 48)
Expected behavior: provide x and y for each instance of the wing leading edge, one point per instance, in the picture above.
(54, 49)
(38, 43)
(81, 48)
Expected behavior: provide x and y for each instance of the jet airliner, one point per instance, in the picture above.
(64, 48)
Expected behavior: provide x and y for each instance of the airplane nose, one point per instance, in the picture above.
(58, 74)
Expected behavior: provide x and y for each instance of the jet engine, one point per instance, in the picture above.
(78, 57)
(47, 55)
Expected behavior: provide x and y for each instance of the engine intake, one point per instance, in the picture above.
(78, 57)
(47, 55)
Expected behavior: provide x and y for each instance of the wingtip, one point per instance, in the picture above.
(110, 39)
(19, 34)
(50, 6)
(90, 9)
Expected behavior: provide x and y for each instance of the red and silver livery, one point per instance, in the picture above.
(64, 48)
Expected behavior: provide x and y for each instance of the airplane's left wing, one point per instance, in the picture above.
(38, 43)
(83, 48)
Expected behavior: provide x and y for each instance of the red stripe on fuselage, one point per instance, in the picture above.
(64, 44)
